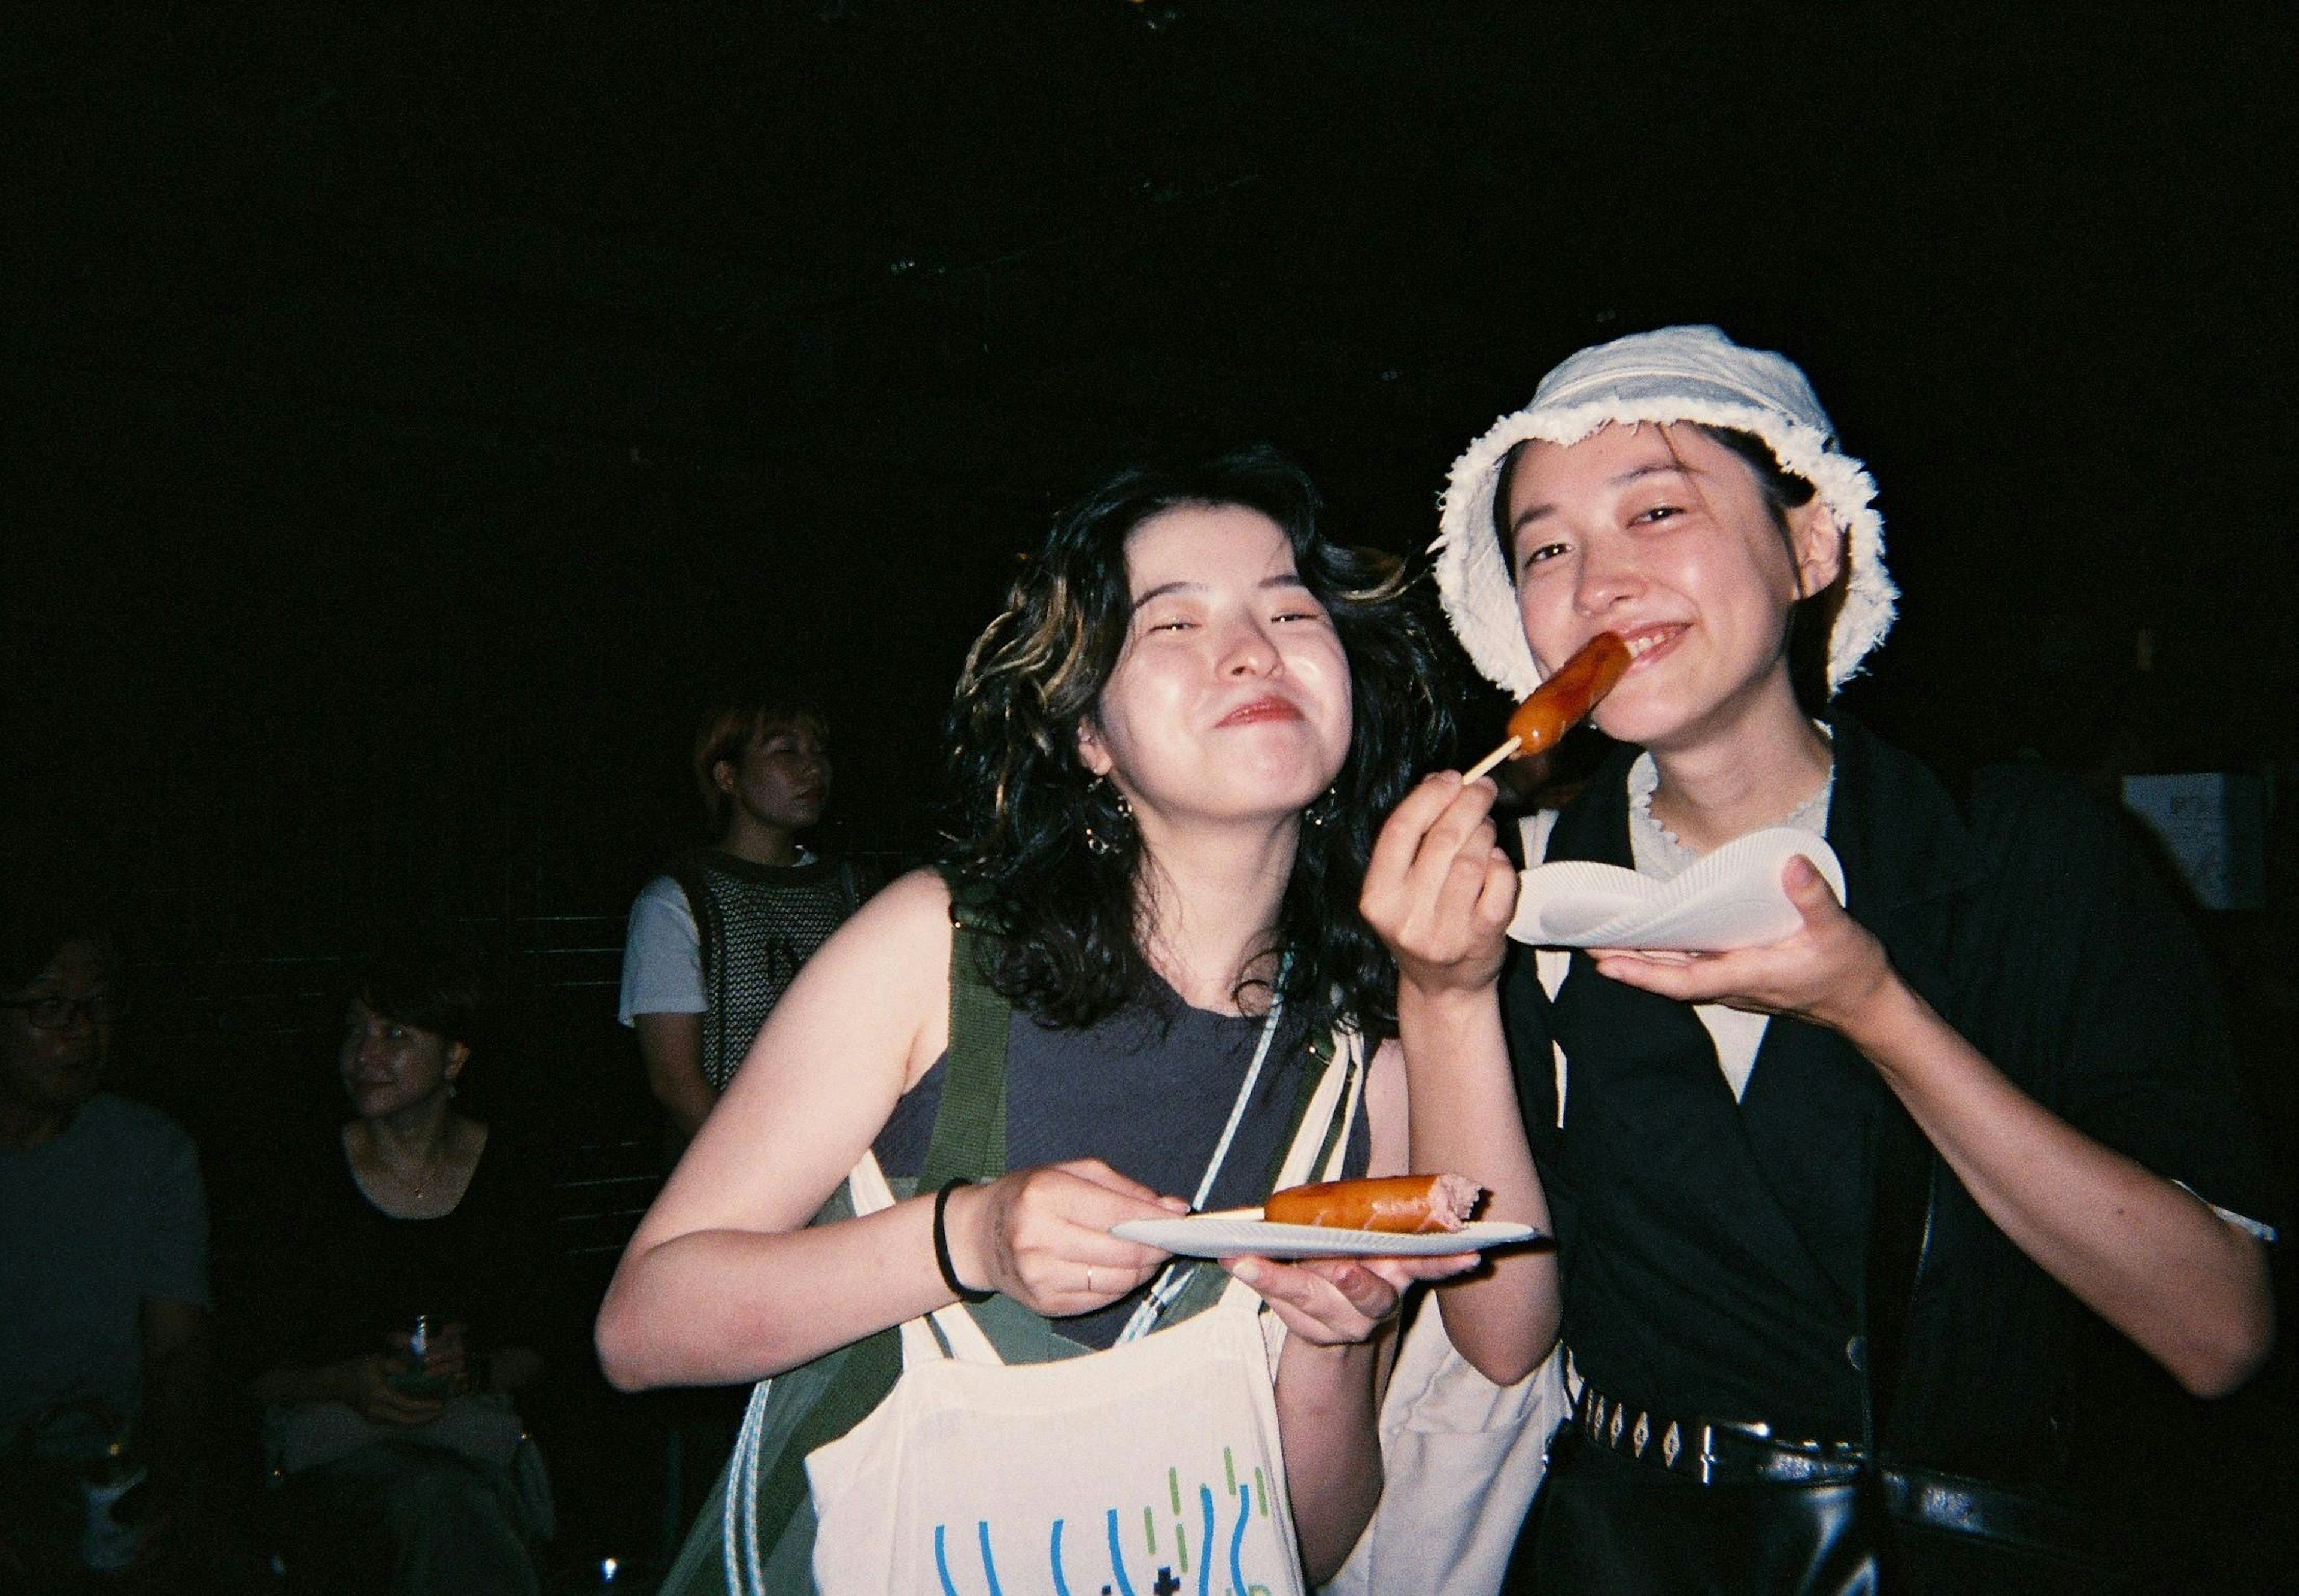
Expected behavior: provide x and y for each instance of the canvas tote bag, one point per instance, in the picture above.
(1461, 1460)
(1153, 1468)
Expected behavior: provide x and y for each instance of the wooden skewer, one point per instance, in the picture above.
(1490, 759)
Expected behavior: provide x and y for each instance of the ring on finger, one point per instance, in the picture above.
(1089, 1280)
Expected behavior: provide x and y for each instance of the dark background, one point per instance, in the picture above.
(411, 410)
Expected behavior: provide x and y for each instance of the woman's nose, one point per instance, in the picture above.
(1607, 575)
(1248, 650)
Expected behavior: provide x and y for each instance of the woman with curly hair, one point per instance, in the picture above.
(1170, 751)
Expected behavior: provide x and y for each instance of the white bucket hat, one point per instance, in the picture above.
(1676, 374)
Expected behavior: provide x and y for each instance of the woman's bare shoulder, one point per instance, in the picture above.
(912, 893)
(906, 920)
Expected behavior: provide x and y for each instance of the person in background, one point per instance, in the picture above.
(715, 941)
(713, 945)
(398, 1452)
(104, 1270)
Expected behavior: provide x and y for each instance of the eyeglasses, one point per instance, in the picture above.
(57, 1013)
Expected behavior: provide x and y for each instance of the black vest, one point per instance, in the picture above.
(1714, 1252)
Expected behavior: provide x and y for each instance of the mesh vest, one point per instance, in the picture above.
(756, 925)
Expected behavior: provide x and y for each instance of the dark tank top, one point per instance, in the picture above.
(1146, 1091)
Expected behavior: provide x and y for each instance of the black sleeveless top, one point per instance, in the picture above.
(1146, 1091)
(329, 1275)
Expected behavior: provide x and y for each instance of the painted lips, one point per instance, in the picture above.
(1260, 710)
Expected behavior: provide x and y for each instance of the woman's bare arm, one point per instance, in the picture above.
(1341, 1340)
(2148, 1256)
(671, 1047)
(1440, 893)
(723, 1281)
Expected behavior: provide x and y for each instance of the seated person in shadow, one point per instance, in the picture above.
(403, 1315)
(104, 1277)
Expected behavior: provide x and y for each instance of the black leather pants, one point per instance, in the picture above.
(1608, 1525)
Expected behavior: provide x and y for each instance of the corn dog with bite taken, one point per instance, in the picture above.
(1394, 1205)
(1561, 702)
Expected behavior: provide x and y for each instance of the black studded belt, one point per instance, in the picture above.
(1713, 1451)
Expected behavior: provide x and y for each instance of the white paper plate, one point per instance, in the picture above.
(1231, 1234)
(1730, 898)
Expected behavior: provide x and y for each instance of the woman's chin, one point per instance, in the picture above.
(1639, 724)
(1241, 795)
(381, 1104)
(1228, 816)
(1647, 718)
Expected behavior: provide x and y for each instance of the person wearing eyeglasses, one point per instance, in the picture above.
(104, 1241)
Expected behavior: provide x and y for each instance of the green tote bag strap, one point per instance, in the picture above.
(969, 1140)
(969, 1131)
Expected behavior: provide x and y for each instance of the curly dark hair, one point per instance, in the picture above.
(1025, 801)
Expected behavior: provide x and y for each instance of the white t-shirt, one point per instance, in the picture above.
(662, 955)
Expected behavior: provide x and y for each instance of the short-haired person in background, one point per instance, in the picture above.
(405, 1304)
(1828, 1211)
(712, 945)
(714, 941)
(104, 1269)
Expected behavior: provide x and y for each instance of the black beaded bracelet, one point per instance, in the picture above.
(941, 1244)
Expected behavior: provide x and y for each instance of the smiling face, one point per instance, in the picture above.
(49, 1070)
(1664, 537)
(388, 1066)
(783, 779)
(1231, 698)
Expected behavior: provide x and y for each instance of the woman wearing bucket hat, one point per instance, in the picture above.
(1824, 1209)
